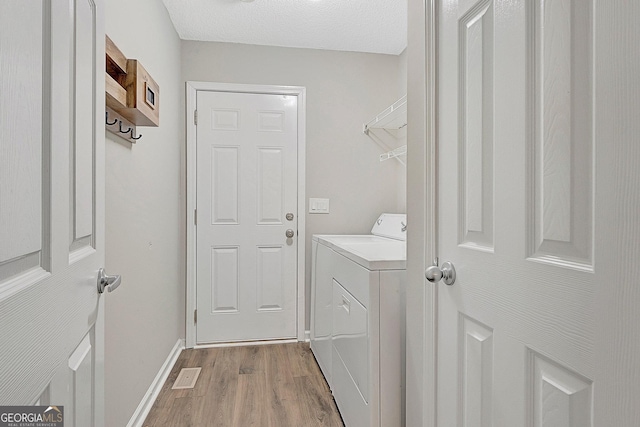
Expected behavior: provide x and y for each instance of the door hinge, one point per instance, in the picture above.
(195, 316)
(195, 216)
(195, 117)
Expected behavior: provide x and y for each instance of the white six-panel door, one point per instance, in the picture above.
(51, 206)
(516, 213)
(246, 186)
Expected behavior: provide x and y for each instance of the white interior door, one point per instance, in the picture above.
(51, 206)
(517, 212)
(246, 189)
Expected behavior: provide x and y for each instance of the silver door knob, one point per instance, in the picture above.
(110, 283)
(289, 216)
(289, 233)
(447, 273)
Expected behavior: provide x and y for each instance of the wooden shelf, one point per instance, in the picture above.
(130, 90)
(116, 94)
(143, 95)
(116, 61)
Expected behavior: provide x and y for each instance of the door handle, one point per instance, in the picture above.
(289, 233)
(110, 283)
(447, 273)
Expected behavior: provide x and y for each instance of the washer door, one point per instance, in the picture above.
(351, 339)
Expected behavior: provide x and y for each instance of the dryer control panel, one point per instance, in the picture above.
(393, 226)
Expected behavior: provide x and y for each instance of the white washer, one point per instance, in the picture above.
(358, 320)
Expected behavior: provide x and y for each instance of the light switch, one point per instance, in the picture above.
(319, 206)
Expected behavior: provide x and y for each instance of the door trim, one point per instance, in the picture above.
(422, 193)
(192, 89)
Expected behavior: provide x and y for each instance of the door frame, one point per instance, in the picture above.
(192, 88)
(422, 194)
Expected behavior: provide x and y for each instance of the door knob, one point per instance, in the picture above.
(289, 216)
(289, 233)
(447, 273)
(110, 283)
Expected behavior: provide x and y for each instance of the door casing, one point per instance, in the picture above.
(422, 213)
(192, 89)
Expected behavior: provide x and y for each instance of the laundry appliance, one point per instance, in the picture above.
(358, 320)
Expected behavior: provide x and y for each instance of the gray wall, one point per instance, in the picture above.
(344, 90)
(144, 217)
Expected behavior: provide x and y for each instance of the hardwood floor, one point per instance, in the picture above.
(276, 385)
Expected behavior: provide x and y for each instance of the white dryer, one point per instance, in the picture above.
(358, 320)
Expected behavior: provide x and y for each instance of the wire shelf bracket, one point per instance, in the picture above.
(393, 117)
(400, 151)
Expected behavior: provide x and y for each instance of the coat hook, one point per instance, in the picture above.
(107, 119)
(123, 131)
(135, 138)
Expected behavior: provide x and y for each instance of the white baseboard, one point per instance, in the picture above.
(245, 343)
(141, 412)
(307, 336)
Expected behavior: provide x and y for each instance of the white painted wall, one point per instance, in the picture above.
(144, 217)
(344, 90)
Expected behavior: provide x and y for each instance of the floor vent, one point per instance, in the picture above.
(186, 378)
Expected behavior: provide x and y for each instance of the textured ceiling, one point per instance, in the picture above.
(378, 26)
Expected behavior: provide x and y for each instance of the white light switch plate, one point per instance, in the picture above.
(318, 206)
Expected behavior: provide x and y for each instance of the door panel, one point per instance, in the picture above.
(24, 207)
(225, 279)
(246, 184)
(80, 374)
(225, 177)
(476, 369)
(84, 123)
(52, 195)
(271, 281)
(270, 186)
(558, 396)
(476, 127)
(516, 330)
(561, 142)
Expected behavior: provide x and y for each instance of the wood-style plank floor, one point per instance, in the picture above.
(277, 385)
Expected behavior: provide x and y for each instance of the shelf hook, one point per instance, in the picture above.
(107, 119)
(135, 138)
(123, 131)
